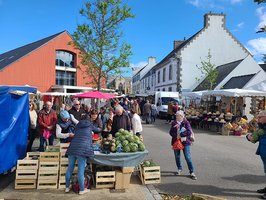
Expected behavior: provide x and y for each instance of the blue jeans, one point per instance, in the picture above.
(187, 156)
(42, 141)
(81, 169)
(264, 163)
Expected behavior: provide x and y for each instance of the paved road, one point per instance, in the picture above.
(225, 165)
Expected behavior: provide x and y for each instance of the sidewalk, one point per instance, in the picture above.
(136, 191)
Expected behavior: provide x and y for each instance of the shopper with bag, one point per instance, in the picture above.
(181, 140)
(47, 120)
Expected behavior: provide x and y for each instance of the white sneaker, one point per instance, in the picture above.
(67, 190)
(179, 172)
(84, 191)
(193, 176)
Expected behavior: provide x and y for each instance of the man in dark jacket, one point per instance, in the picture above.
(120, 120)
(76, 111)
(261, 151)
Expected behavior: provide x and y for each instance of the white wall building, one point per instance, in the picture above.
(178, 71)
(139, 84)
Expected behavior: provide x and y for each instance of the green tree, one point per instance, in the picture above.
(99, 39)
(262, 29)
(209, 71)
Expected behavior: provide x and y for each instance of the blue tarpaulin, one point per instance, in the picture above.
(14, 122)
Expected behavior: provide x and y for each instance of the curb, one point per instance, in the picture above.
(151, 193)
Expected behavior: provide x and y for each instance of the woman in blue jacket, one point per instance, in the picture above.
(181, 129)
(80, 149)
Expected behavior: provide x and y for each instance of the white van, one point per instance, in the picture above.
(162, 99)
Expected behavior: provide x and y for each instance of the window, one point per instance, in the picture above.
(170, 73)
(65, 78)
(164, 71)
(163, 89)
(64, 59)
(170, 89)
(159, 76)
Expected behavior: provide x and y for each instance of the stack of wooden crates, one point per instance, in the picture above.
(48, 170)
(63, 165)
(26, 173)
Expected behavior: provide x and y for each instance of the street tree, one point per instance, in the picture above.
(99, 39)
(262, 29)
(209, 71)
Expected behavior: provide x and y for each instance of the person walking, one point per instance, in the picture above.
(261, 150)
(154, 112)
(181, 129)
(33, 132)
(47, 120)
(136, 123)
(147, 112)
(80, 149)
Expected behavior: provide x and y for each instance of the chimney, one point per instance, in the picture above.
(152, 61)
(178, 42)
(214, 19)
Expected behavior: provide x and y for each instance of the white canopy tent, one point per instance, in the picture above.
(192, 95)
(235, 93)
(58, 94)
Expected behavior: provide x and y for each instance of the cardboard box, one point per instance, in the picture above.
(128, 169)
(122, 180)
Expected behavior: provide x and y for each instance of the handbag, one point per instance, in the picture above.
(192, 136)
(178, 145)
(46, 134)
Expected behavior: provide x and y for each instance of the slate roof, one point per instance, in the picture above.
(223, 71)
(11, 56)
(179, 47)
(263, 66)
(238, 82)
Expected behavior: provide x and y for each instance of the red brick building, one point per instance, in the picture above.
(49, 64)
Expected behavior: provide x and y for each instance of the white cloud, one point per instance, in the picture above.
(261, 12)
(218, 4)
(195, 3)
(236, 1)
(138, 65)
(257, 47)
(240, 25)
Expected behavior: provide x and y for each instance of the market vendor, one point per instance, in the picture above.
(97, 122)
(120, 120)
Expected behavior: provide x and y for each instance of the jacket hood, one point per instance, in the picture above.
(84, 123)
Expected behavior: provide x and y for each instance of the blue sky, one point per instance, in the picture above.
(151, 33)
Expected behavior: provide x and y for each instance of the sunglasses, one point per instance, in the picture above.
(77, 104)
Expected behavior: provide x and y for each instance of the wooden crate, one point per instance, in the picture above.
(48, 174)
(63, 148)
(27, 164)
(64, 164)
(150, 175)
(54, 166)
(47, 184)
(25, 184)
(32, 155)
(52, 149)
(105, 179)
(61, 184)
(49, 157)
(26, 174)
(62, 174)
